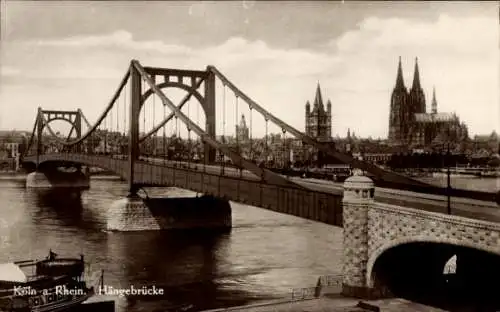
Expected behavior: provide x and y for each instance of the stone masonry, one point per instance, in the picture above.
(358, 198)
(131, 214)
(371, 228)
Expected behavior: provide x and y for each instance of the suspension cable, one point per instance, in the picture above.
(251, 141)
(163, 141)
(94, 137)
(120, 138)
(190, 150)
(105, 135)
(189, 135)
(144, 108)
(221, 156)
(199, 140)
(224, 115)
(117, 117)
(154, 120)
(285, 156)
(124, 114)
(238, 149)
(177, 139)
(266, 144)
(237, 128)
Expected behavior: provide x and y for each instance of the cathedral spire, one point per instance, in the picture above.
(434, 102)
(416, 76)
(400, 84)
(318, 100)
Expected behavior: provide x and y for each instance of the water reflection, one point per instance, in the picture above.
(60, 205)
(264, 256)
(185, 264)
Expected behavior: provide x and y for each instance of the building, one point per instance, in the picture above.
(319, 120)
(319, 127)
(410, 126)
(12, 143)
(242, 132)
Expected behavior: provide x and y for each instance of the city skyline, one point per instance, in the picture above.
(352, 49)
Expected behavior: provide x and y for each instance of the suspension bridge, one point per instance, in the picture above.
(155, 156)
(395, 239)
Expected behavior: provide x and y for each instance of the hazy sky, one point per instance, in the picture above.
(68, 55)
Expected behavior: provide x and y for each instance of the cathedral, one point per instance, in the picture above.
(319, 120)
(409, 123)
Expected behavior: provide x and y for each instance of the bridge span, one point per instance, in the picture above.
(245, 187)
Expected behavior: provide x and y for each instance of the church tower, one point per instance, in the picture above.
(398, 107)
(319, 119)
(417, 96)
(434, 102)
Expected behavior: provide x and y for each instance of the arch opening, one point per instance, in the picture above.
(152, 112)
(440, 275)
(61, 126)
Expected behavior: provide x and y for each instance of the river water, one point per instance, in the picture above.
(264, 257)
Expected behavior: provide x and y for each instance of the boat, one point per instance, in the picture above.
(492, 173)
(49, 285)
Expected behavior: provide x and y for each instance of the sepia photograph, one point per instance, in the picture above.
(250, 156)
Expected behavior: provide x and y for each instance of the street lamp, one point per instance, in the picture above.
(448, 178)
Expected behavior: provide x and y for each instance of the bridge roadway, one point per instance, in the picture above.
(470, 208)
(465, 207)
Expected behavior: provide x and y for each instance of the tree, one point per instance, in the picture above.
(92, 142)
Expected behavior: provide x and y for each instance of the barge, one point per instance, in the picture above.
(49, 285)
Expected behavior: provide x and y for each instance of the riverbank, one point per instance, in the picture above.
(334, 303)
(9, 173)
(21, 175)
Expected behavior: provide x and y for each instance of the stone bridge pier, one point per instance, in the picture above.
(49, 176)
(135, 213)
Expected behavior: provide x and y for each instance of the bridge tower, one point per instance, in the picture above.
(133, 136)
(45, 117)
(187, 80)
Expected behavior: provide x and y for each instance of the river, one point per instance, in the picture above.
(264, 257)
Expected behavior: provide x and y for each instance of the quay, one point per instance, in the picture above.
(99, 306)
(334, 303)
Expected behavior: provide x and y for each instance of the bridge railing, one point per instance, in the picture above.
(304, 293)
(327, 284)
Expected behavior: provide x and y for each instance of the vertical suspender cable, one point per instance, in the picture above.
(164, 139)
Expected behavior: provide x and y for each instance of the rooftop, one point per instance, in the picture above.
(437, 117)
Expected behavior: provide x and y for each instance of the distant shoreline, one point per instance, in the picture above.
(105, 175)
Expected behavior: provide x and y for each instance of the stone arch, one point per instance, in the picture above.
(372, 258)
(179, 85)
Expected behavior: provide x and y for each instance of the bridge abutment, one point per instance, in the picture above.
(53, 178)
(134, 213)
(358, 197)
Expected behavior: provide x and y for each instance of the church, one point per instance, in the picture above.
(410, 126)
(319, 120)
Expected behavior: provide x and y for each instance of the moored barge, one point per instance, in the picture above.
(49, 285)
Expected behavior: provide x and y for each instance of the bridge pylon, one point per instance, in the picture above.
(135, 108)
(210, 112)
(45, 117)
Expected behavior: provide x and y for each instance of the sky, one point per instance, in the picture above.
(69, 55)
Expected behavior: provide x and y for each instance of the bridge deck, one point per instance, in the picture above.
(320, 202)
(310, 204)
